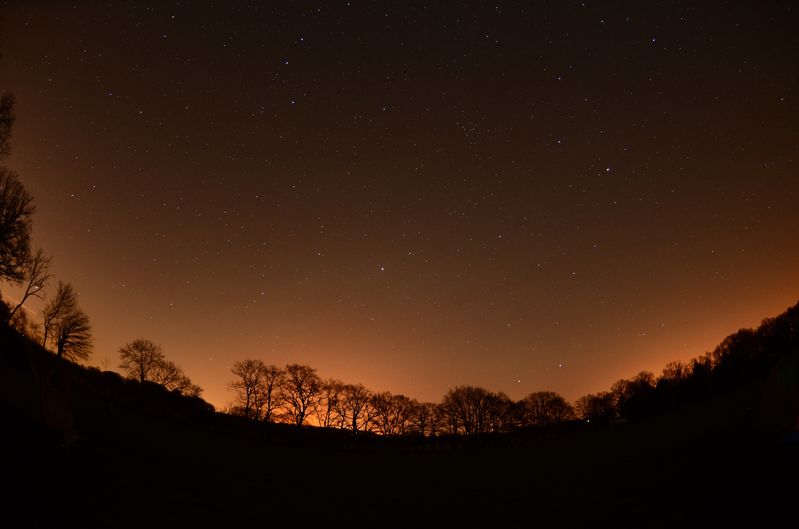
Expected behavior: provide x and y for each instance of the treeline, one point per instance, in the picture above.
(65, 328)
(296, 394)
(145, 361)
(62, 326)
(745, 356)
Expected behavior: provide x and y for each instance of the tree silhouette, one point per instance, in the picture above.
(467, 408)
(327, 409)
(635, 398)
(499, 413)
(144, 361)
(257, 388)
(16, 206)
(423, 418)
(390, 414)
(64, 303)
(544, 408)
(247, 385)
(596, 408)
(675, 372)
(475, 410)
(697, 383)
(73, 336)
(269, 397)
(140, 358)
(67, 325)
(169, 375)
(37, 275)
(16, 212)
(353, 406)
(447, 420)
(300, 392)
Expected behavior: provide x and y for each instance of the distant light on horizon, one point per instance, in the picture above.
(549, 198)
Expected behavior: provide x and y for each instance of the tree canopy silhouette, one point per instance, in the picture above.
(37, 275)
(300, 392)
(16, 206)
(257, 388)
(74, 336)
(544, 408)
(16, 213)
(143, 360)
(67, 325)
(64, 302)
(303, 396)
(353, 406)
(140, 358)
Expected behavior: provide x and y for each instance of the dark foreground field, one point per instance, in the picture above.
(143, 457)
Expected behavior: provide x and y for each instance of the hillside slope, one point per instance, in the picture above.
(86, 447)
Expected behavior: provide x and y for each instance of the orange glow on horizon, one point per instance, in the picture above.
(514, 214)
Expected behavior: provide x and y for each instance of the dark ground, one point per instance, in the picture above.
(144, 457)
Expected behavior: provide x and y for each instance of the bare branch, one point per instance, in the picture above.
(16, 212)
(37, 275)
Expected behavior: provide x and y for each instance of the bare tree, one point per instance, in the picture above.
(468, 407)
(545, 407)
(144, 361)
(167, 374)
(446, 420)
(16, 212)
(64, 303)
(632, 398)
(73, 335)
(269, 397)
(620, 391)
(390, 414)
(598, 407)
(498, 415)
(172, 377)
(37, 275)
(471, 410)
(300, 392)
(16, 206)
(380, 416)
(247, 386)
(675, 372)
(403, 409)
(423, 418)
(353, 407)
(327, 410)
(68, 325)
(257, 388)
(140, 358)
(191, 390)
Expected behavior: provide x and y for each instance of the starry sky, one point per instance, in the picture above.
(413, 195)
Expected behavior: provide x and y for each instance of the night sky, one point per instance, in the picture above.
(522, 196)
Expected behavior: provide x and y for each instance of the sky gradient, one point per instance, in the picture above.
(545, 196)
